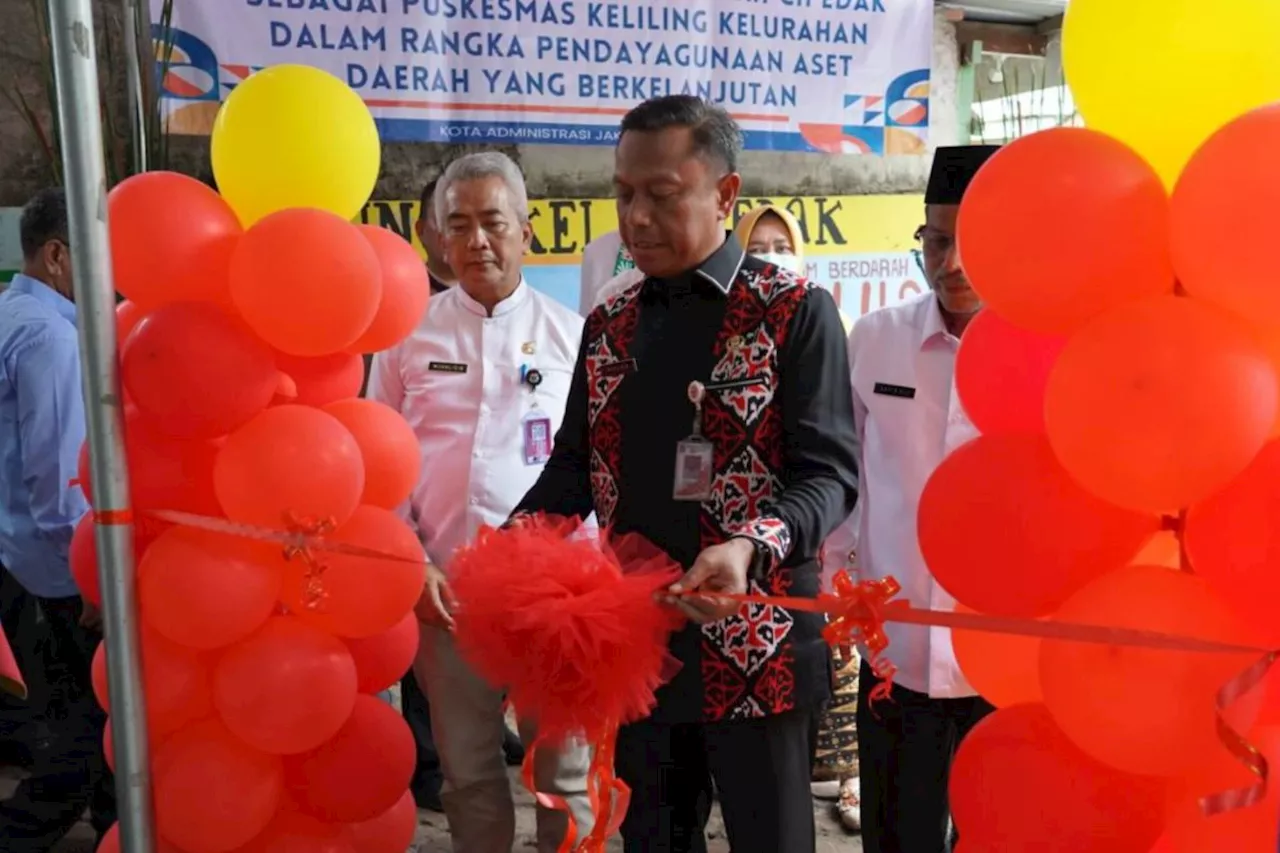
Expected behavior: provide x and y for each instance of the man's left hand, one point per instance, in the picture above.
(721, 568)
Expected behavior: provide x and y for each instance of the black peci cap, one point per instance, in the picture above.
(954, 168)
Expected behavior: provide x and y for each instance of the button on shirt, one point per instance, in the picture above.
(458, 382)
(904, 437)
(41, 430)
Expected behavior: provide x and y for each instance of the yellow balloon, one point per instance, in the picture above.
(295, 136)
(1164, 75)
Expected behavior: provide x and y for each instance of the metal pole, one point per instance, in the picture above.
(76, 78)
(133, 78)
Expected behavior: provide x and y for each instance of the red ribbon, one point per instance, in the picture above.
(858, 612)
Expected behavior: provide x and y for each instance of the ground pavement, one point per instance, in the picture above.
(433, 833)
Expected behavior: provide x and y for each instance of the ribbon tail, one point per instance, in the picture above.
(608, 794)
(1238, 745)
(549, 801)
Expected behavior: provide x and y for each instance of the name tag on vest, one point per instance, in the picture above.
(446, 367)
(619, 368)
(902, 391)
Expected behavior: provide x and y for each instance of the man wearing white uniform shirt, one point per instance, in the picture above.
(909, 418)
(483, 382)
(603, 260)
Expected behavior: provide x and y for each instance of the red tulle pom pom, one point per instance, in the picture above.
(571, 629)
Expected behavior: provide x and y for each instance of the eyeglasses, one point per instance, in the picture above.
(935, 241)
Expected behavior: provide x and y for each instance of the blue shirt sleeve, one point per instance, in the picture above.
(51, 428)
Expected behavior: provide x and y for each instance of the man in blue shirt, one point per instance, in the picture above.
(41, 429)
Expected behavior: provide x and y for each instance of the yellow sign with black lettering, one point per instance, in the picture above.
(832, 225)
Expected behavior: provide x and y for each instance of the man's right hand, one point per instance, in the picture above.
(436, 604)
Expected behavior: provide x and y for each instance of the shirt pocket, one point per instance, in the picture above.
(747, 397)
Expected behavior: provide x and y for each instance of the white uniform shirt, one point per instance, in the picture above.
(599, 261)
(457, 382)
(904, 439)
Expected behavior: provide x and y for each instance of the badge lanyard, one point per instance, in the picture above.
(694, 455)
(536, 424)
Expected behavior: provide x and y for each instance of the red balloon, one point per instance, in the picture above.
(83, 556)
(406, 287)
(359, 774)
(291, 832)
(128, 316)
(1231, 542)
(286, 689)
(388, 447)
(171, 240)
(175, 681)
(361, 596)
(1160, 403)
(207, 590)
(1149, 711)
(322, 380)
(212, 792)
(1018, 784)
(307, 281)
(164, 472)
(290, 464)
(383, 659)
(1220, 218)
(390, 832)
(1002, 372)
(1238, 830)
(197, 371)
(1007, 532)
(111, 842)
(1110, 216)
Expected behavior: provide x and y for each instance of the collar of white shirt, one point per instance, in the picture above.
(506, 306)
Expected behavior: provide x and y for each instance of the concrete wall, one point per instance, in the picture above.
(551, 170)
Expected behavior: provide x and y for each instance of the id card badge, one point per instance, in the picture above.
(695, 456)
(536, 427)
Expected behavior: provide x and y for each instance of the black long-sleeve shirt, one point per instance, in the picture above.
(770, 350)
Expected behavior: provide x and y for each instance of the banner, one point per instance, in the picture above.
(858, 247)
(836, 76)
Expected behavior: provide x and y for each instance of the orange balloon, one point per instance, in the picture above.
(175, 681)
(359, 774)
(291, 832)
(171, 240)
(307, 281)
(128, 316)
(1110, 216)
(1004, 668)
(1163, 549)
(388, 447)
(1160, 403)
(289, 464)
(1001, 374)
(286, 689)
(1221, 218)
(405, 291)
(212, 792)
(323, 380)
(361, 596)
(383, 659)
(1240, 830)
(1007, 532)
(196, 371)
(1149, 711)
(206, 590)
(1231, 543)
(390, 832)
(1018, 784)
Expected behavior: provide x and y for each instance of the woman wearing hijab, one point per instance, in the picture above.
(773, 235)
